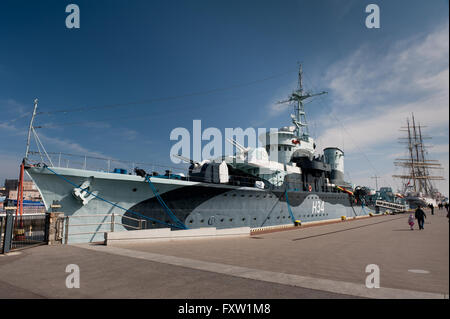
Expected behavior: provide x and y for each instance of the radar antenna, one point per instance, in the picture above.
(299, 118)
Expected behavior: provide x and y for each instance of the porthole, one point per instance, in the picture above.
(134, 189)
(221, 220)
(242, 195)
(190, 222)
(234, 195)
(254, 218)
(231, 219)
(243, 219)
(202, 220)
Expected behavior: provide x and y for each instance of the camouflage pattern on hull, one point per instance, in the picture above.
(195, 204)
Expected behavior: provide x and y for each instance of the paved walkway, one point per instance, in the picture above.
(327, 261)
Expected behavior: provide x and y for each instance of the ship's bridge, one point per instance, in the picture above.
(281, 144)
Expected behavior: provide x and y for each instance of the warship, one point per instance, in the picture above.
(247, 189)
(417, 182)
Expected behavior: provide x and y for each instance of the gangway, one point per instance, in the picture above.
(395, 207)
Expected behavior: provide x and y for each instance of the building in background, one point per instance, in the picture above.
(30, 192)
(31, 196)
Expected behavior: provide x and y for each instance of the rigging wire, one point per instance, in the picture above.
(114, 160)
(17, 118)
(331, 114)
(163, 99)
(167, 110)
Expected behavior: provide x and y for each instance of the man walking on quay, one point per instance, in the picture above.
(420, 216)
(431, 206)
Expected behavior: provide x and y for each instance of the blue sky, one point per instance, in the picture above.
(127, 51)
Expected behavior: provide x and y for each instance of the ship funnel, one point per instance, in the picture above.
(335, 158)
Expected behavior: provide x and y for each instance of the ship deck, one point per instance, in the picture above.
(324, 261)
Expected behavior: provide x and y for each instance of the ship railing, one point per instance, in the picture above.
(110, 221)
(109, 165)
(96, 163)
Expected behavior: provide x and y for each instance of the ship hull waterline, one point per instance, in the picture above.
(195, 204)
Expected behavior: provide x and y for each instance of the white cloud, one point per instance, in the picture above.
(14, 106)
(372, 95)
(404, 71)
(68, 146)
(373, 99)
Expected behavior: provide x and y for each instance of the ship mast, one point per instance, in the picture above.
(299, 119)
(417, 165)
(31, 128)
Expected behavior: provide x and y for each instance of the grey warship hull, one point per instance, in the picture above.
(196, 204)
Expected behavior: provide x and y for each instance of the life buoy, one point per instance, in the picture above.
(309, 188)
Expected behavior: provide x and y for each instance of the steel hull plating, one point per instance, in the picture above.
(195, 204)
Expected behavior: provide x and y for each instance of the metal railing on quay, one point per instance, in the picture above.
(141, 224)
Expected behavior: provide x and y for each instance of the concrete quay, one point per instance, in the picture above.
(321, 262)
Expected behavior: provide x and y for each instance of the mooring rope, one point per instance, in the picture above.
(163, 204)
(109, 202)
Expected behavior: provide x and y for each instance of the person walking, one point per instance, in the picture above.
(446, 207)
(411, 221)
(420, 216)
(431, 206)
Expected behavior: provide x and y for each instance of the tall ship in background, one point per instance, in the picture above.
(280, 183)
(417, 180)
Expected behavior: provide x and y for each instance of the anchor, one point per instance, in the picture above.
(83, 193)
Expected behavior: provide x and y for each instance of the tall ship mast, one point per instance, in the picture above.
(417, 181)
